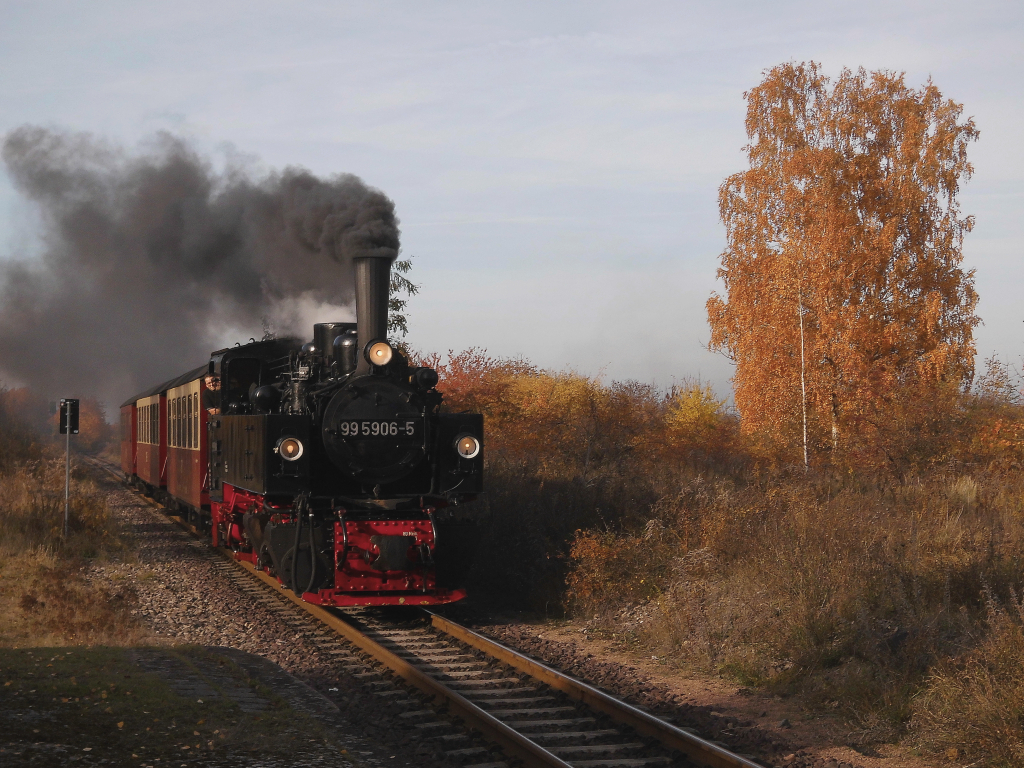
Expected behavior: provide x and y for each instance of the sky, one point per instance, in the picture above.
(555, 166)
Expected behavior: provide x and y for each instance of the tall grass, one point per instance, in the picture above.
(48, 597)
(866, 585)
(841, 593)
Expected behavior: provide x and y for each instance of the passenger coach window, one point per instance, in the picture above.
(188, 421)
(195, 420)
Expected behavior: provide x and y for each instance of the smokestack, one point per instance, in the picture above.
(373, 288)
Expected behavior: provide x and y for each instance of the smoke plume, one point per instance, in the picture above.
(153, 259)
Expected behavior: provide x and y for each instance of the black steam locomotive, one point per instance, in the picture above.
(328, 463)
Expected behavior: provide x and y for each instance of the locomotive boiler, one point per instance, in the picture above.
(328, 463)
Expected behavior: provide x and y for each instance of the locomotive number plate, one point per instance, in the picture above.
(401, 429)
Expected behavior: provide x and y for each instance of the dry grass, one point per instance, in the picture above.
(972, 708)
(865, 586)
(46, 597)
(854, 597)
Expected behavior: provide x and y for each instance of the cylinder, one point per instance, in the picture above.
(346, 352)
(373, 286)
(324, 335)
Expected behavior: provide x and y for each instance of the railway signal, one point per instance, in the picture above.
(68, 427)
(69, 416)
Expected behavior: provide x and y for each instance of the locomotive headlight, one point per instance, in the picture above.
(379, 353)
(289, 448)
(467, 446)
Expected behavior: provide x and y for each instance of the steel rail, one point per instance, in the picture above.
(476, 718)
(695, 748)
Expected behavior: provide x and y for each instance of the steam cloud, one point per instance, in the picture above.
(152, 259)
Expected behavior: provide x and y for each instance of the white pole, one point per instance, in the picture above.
(803, 382)
(67, 466)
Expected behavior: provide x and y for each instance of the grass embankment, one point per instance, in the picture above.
(45, 596)
(885, 592)
(895, 605)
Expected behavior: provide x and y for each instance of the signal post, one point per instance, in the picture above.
(68, 427)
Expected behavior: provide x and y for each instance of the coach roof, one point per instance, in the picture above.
(160, 389)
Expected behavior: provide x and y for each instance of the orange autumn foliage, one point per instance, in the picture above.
(562, 423)
(31, 411)
(845, 234)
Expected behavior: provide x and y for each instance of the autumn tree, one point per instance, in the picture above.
(844, 295)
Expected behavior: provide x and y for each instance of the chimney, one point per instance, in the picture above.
(373, 287)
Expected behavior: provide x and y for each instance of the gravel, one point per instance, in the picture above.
(183, 598)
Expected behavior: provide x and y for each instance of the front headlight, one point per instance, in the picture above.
(379, 353)
(289, 448)
(467, 446)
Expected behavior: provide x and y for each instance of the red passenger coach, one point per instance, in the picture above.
(128, 442)
(151, 453)
(187, 465)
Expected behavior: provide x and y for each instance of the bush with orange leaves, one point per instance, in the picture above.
(565, 452)
(564, 422)
(30, 412)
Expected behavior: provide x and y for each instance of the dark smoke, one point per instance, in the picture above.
(150, 259)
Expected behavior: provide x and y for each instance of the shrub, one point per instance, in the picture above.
(972, 706)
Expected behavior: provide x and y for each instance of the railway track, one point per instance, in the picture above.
(470, 693)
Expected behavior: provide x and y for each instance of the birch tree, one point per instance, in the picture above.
(843, 286)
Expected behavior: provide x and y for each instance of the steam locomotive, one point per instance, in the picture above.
(327, 463)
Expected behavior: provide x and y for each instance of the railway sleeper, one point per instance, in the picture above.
(536, 712)
(635, 762)
(563, 723)
(433, 725)
(486, 693)
(417, 712)
(457, 684)
(596, 749)
(556, 736)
